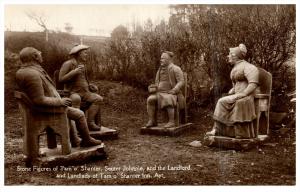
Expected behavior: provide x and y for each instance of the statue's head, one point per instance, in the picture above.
(30, 54)
(79, 52)
(166, 58)
(237, 53)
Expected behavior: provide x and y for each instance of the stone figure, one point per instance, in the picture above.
(166, 92)
(33, 80)
(73, 75)
(234, 114)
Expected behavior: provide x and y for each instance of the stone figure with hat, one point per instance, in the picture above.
(74, 76)
(166, 92)
(34, 81)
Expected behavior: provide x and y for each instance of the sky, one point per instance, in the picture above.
(85, 19)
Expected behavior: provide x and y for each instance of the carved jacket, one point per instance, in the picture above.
(73, 82)
(176, 79)
(36, 83)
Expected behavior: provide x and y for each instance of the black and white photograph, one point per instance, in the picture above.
(166, 94)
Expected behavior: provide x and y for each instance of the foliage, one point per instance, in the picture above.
(54, 52)
(267, 30)
(199, 35)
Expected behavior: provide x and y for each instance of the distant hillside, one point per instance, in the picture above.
(15, 40)
(100, 39)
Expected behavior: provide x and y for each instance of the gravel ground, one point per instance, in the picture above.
(152, 159)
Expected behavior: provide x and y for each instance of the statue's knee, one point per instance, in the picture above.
(77, 114)
(98, 98)
(222, 100)
(76, 100)
(151, 100)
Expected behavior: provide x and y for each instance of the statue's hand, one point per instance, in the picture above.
(152, 88)
(93, 88)
(172, 92)
(101, 99)
(66, 102)
(231, 91)
(79, 69)
(240, 95)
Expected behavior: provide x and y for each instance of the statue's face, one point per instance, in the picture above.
(83, 55)
(164, 59)
(232, 58)
(39, 57)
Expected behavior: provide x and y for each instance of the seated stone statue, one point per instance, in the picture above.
(73, 75)
(33, 80)
(234, 114)
(166, 93)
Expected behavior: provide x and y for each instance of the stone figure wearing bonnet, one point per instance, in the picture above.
(166, 91)
(73, 75)
(234, 114)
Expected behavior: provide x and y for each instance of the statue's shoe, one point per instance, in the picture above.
(211, 133)
(75, 142)
(91, 142)
(94, 127)
(151, 124)
(169, 125)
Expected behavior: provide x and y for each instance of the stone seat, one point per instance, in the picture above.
(36, 121)
(78, 155)
(233, 143)
(160, 130)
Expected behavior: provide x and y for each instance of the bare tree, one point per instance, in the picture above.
(40, 19)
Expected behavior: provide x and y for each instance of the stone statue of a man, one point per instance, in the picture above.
(73, 75)
(166, 93)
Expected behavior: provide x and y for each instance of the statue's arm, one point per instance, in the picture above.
(157, 78)
(66, 73)
(179, 79)
(251, 73)
(33, 86)
(232, 90)
(249, 89)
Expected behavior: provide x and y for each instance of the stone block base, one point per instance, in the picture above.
(233, 143)
(105, 133)
(160, 130)
(80, 155)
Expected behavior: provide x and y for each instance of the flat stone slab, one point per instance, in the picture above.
(233, 143)
(79, 155)
(195, 144)
(160, 130)
(105, 133)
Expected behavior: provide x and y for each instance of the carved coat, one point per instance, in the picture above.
(34, 81)
(76, 83)
(176, 80)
